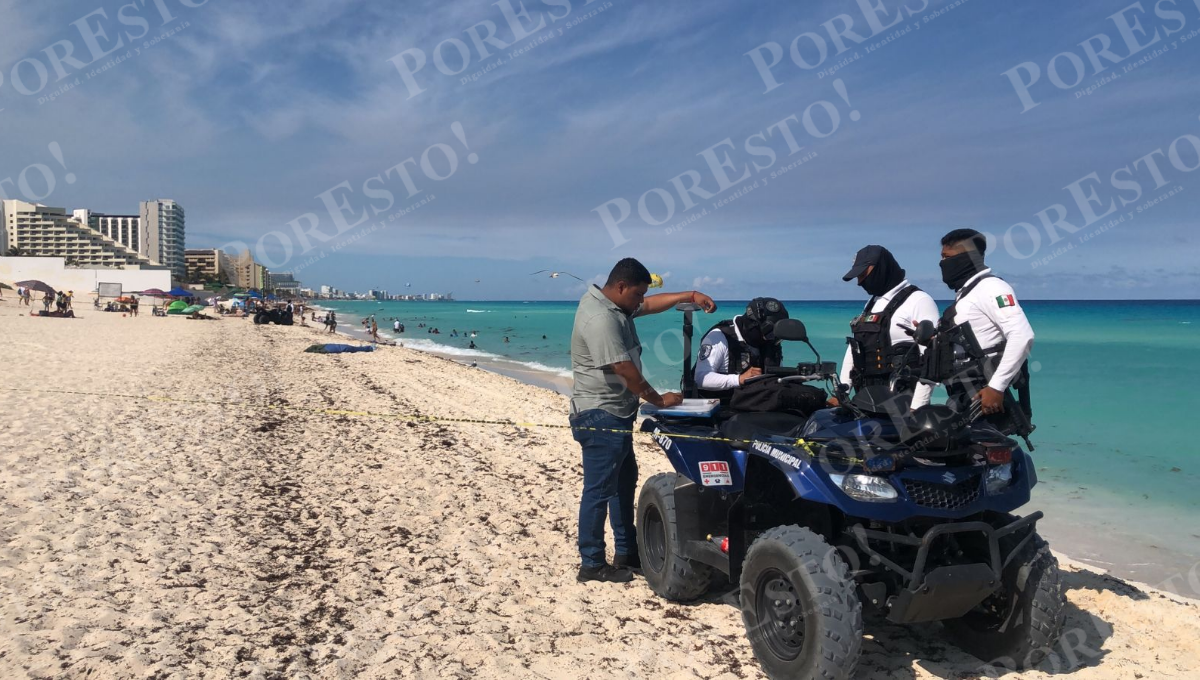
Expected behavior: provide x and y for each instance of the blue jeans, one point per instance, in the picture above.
(609, 483)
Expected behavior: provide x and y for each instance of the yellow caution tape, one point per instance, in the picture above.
(810, 447)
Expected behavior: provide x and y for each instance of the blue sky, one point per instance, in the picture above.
(248, 112)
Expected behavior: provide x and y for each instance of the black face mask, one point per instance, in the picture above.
(751, 332)
(958, 269)
(886, 275)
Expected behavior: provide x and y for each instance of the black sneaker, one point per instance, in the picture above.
(604, 572)
(631, 562)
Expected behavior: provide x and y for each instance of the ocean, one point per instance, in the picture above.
(1110, 381)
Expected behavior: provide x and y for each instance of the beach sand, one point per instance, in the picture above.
(202, 536)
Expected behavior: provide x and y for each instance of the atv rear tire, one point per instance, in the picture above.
(260, 318)
(1018, 626)
(660, 546)
(800, 607)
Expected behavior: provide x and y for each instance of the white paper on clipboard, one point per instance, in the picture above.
(690, 407)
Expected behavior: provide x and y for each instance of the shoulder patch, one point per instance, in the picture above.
(1008, 300)
(705, 350)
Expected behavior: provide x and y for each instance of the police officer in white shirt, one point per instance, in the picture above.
(882, 337)
(988, 304)
(738, 349)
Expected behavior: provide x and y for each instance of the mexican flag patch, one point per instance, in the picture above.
(1006, 301)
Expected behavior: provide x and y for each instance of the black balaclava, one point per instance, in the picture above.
(886, 275)
(958, 269)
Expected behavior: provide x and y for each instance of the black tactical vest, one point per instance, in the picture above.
(871, 344)
(741, 357)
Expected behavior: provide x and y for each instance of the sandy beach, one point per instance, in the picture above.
(179, 501)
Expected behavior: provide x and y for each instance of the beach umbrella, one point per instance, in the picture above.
(255, 294)
(5, 286)
(191, 309)
(154, 292)
(38, 286)
(180, 292)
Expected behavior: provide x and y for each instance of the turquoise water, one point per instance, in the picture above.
(1113, 383)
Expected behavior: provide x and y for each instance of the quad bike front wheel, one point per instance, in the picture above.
(1018, 625)
(660, 546)
(800, 608)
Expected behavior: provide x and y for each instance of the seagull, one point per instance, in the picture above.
(555, 275)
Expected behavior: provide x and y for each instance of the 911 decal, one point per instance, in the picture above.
(715, 473)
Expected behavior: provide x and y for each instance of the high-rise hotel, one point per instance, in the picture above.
(154, 237)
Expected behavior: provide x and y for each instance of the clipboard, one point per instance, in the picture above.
(694, 408)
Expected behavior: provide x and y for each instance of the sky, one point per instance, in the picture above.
(756, 146)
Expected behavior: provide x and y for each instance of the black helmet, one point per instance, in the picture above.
(761, 315)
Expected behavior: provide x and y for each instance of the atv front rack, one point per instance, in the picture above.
(944, 592)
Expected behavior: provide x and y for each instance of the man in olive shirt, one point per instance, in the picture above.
(606, 357)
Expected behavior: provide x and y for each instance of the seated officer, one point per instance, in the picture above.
(737, 349)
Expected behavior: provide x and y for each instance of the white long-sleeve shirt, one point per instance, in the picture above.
(917, 308)
(996, 316)
(713, 372)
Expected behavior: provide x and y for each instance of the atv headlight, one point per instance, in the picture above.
(999, 477)
(866, 488)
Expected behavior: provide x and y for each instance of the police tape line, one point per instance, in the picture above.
(407, 417)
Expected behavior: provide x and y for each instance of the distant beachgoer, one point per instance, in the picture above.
(67, 299)
(374, 330)
(133, 305)
(396, 326)
(46, 300)
(543, 337)
(472, 345)
(506, 339)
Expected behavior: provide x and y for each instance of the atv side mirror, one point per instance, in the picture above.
(791, 329)
(925, 332)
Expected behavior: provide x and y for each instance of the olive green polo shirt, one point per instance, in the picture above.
(603, 335)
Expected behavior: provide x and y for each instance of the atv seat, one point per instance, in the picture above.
(750, 426)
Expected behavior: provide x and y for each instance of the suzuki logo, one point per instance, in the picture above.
(948, 478)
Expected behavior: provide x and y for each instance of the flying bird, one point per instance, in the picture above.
(555, 275)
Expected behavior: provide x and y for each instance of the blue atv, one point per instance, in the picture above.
(810, 517)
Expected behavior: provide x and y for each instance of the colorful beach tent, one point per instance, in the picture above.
(180, 292)
(177, 307)
(192, 309)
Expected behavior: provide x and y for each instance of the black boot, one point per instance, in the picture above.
(631, 562)
(604, 572)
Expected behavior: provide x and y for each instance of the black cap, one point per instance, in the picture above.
(866, 257)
